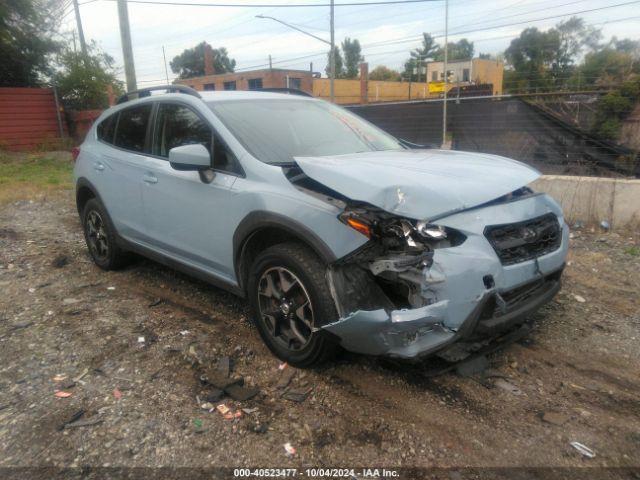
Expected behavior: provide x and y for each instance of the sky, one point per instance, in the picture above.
(387, 33)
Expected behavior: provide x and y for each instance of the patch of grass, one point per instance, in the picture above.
(28, 176)
(633, 251)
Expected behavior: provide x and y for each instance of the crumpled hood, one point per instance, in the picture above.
(419, 184)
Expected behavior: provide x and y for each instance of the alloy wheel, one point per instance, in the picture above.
(285, 308)
(97, 235)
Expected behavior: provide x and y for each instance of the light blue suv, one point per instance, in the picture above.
(339, 235)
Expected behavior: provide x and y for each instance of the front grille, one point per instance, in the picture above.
(522, 241)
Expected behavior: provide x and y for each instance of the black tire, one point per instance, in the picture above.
(310, 272)
(111, 257)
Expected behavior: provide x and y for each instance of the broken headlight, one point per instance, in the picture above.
(398, 233)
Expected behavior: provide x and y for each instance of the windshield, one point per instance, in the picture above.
(276, 131)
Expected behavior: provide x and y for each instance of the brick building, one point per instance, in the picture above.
(253, 80)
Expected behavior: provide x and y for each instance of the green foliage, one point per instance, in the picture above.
(25, 41)
(612, 64)
(633, 251)
(339, 63)
(425, 53)
(614, 107)
(430, 51)
(531, 58)
(82, 81)
(190, 63)
(461, 50)
(27, 175)
(384, 73)
(352, 57)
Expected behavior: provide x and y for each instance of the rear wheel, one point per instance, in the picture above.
(101, 237)
(290, 301)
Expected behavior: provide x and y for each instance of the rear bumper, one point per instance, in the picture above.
(411, 334)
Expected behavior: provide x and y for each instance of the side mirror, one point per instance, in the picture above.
(190, 157)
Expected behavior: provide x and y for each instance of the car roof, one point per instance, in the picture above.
(212, 96)
(207, 97)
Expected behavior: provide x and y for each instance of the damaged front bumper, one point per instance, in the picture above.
(471, 292)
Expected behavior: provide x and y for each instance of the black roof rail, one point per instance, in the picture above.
(290, 91)
(146, 92)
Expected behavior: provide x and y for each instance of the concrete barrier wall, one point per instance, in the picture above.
(593, 199)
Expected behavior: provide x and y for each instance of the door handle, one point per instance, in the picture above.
(149, 178)
(99, 166)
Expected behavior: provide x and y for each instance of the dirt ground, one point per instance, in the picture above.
(141, 338)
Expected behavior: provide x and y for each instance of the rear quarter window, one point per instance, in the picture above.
(106, 128)
(131, 133)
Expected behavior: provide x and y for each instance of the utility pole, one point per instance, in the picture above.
(127, 50)
(270, 63)
(446, 74)
(83, 45)
(166, 72)
(332, 56)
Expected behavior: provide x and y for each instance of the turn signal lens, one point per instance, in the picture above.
(361, 227)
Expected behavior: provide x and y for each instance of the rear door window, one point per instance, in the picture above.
(131, 133)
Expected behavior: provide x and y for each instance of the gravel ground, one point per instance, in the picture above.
(143, 338)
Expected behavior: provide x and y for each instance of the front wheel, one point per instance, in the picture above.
(290, 301)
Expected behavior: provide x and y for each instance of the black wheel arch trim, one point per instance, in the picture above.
(259, 220)
(81, 183)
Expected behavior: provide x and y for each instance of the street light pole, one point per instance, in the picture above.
(332, 56)
(446, 76)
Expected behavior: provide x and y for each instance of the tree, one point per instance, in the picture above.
(426, 53)
(190, 63)
(573, 38)
(384, 73)
(614, 107)
(83, 81)
(613, 63)
(460, 50)
(531, 57)
(26, 45)
(352, 57)
(546, 60)
(339, 63)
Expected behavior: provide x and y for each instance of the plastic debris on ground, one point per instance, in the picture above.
(117, 394)
(62, 394)
(282, 366)
(579, 299)
(583, 449)
(140, 339)
(59, 378)
(289, 449)
(111, 288)
(226, 412)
